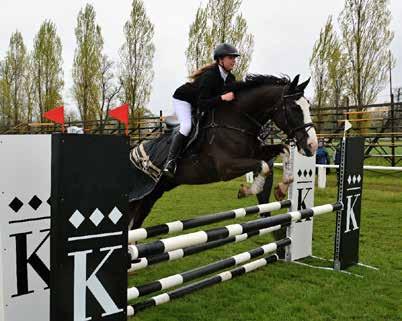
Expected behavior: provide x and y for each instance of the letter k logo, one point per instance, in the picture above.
(350, 214)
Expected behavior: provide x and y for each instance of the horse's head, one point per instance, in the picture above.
(292, 115)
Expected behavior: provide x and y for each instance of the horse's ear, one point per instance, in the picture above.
(303, 85)
(294, 83)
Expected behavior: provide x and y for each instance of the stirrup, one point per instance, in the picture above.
(168, 171)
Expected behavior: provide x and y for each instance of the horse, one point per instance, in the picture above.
(230, 146)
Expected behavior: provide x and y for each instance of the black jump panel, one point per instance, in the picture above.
(89, 228)
(350, 189)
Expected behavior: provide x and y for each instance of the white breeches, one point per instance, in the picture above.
(183, 112)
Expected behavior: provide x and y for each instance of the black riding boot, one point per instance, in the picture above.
(174, 151)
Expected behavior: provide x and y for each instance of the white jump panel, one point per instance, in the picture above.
(25, 164)
(301, 192)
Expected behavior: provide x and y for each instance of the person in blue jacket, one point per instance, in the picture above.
(322, 156)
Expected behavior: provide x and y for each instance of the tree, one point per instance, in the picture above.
(47, 67)
(5, 94)
(219, 22)
(366, 39)
(198, 51)
(29, 89)
(136, 55)
(110, 89)
(328, 65)
(87, 64)
(14, 70)
(320, 67)
(337, 74)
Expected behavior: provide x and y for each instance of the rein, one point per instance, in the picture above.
(279, 106)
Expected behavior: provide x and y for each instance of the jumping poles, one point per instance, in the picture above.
(83, 181)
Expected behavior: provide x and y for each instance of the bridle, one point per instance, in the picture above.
(292, 132)
(279, 106)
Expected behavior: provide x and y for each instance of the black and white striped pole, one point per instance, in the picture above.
(219, 278)
(179, 226)
(180, 278)
(202, 237)
(191, 250)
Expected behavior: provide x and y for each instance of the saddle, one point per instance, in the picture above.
(150, 156)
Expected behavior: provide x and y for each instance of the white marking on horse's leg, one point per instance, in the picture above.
(130, 224)
(258, 184)
(281, 189)
(287, 167)
(312, 141)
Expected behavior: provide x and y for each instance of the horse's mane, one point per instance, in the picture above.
(255, 80)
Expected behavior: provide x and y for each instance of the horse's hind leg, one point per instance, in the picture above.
(137, 214)
(139, 210)
(264, 196)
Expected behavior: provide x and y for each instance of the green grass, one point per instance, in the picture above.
(287, 291)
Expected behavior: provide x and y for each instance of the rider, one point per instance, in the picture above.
(206, 91)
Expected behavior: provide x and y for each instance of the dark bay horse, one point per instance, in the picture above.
(231, 147)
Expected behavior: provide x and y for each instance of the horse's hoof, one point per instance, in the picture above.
(282, 188)
(278, 193)
(242, 192)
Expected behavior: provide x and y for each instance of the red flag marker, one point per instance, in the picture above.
(56, 115)
(121, 114)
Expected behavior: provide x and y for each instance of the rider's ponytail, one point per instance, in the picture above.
(201, 70)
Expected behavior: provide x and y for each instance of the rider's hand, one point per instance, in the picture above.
(228, 96)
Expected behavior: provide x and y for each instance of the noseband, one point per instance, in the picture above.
(282, 107)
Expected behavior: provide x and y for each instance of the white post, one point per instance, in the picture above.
(322, 177)
(25, 163)
(250, 177)
(301, 193)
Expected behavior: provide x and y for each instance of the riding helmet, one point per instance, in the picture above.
(225, 49)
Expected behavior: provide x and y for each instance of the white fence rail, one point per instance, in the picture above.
(322, 173)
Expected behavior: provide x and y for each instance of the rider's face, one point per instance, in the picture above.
(228, 62)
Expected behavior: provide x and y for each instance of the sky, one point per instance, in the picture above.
(284, 33)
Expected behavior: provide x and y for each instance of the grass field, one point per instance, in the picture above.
(287, 291)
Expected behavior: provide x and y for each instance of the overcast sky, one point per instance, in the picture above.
(284, 33)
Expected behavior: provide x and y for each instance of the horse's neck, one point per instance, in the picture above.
(251, 109)
(259, 102)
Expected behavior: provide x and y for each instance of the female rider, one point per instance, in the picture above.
(206, 91)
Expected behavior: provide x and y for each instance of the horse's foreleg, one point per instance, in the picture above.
(281, 190)
(139, 210)
(231, 168)
(267, 152)
(259, 180)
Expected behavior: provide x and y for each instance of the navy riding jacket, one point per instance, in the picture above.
(206, 90)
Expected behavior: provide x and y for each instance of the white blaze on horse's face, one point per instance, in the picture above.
(312, 141)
